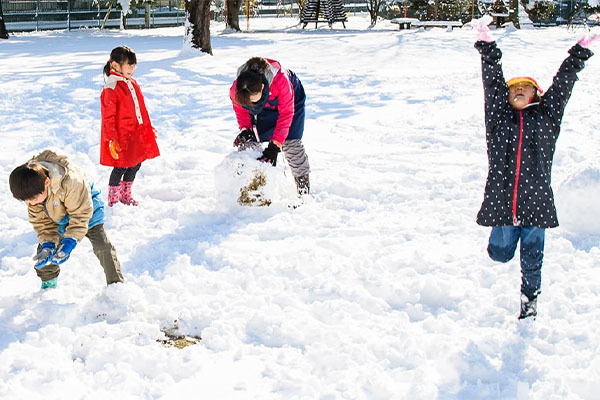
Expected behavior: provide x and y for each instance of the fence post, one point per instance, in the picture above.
(37, 16)
(68, 15)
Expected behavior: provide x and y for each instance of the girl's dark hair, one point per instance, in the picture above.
(120, 55)
(27, 181)
(258, 64)
(250, 81)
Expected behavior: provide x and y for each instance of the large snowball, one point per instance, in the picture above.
(241, 180)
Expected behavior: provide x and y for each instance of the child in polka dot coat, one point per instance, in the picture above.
(521, 132)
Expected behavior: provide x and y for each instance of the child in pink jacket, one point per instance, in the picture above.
(268, 101)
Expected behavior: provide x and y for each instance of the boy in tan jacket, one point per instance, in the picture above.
(63, 207)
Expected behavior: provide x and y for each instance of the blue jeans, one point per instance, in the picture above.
(502, 246)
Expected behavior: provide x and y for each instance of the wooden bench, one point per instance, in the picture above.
(404, 23)
(449, 25)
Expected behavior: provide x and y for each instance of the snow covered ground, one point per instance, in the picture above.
(379, 287)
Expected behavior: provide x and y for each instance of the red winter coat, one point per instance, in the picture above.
(125, 119)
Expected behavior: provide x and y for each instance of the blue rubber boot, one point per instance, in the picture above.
(51, 284)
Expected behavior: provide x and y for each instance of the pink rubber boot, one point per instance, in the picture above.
(114, 195)
(126, 194)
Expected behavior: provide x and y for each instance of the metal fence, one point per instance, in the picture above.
(34, 15)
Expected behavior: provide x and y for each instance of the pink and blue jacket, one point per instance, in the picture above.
(282, 116)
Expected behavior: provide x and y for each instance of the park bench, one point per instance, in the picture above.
(449, 25)
(404, 23)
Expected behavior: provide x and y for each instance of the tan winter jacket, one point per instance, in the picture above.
(68, 193)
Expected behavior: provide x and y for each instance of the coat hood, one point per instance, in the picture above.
(57, 165)
(269, 74)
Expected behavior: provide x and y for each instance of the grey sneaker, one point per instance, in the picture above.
(528, 307)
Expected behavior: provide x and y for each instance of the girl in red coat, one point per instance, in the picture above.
(128, 137)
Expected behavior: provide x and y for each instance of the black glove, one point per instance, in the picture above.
(245, 136)
(270, 154)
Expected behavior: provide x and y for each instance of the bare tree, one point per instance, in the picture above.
(514, 14)
(197, 30)
(301, 4)
(373, 7)
(233, 12)
(3, 31)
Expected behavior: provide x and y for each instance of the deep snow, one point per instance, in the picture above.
(378, 287)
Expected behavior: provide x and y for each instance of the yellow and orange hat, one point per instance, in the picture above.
(527, 79)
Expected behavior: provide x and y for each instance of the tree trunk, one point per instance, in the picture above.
(373, 8)
(198, 29)
(514, 15)
(233, 12)
(436, 9)
(301, 4)
(3, 31)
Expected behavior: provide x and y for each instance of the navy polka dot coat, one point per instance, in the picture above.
(521, 143)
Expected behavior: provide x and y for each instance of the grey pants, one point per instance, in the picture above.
(103, 249)
(294, 153)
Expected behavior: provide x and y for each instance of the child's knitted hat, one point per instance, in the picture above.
(527, 79)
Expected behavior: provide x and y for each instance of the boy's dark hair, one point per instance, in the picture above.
(27, 181)
(120, 55)
(250, 81)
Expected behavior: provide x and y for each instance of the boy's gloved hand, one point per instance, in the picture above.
(114, 148)
(64, 250)
(586, 40)
(245, 136)
(44, 254)
(481, 26)
(270, 154)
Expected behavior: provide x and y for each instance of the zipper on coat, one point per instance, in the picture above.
(46, 211)
(514, 210)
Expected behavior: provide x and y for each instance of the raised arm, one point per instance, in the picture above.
(557, 96)
(494, 84)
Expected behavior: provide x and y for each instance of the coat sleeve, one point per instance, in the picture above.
(79, 206)
(494, 84)
(284, 92)
(242, 115)
(108, 108)
(555, 99)
(45, 229)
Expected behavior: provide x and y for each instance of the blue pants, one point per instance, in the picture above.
(502, 246)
